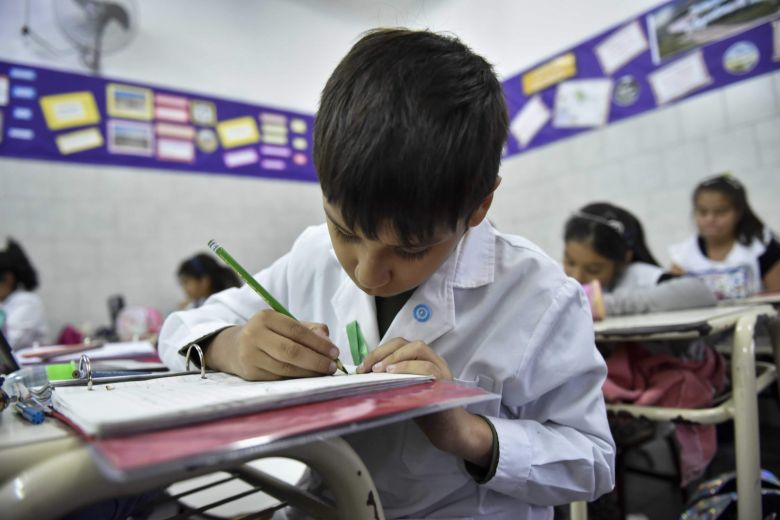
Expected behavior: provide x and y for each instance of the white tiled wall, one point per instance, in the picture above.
(650, 164)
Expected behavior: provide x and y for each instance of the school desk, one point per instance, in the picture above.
(61, 471)
(741, 407)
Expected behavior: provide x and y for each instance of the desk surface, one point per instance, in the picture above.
(181, 452)
(685, 324)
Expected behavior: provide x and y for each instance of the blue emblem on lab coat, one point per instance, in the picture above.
(422, 313)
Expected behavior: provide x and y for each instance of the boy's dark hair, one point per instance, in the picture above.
(14, 261)
(749, 226)
(409, 133)
(203, 265)
(611, 231)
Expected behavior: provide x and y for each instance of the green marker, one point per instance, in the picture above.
(254, 284)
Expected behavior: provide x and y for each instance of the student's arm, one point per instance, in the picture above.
(272, 346)
(671, 295)
(772, 278)
(676, 269)
(554, 440)
(769, 263)
(455, 431)
(554, 444)
(240, 335)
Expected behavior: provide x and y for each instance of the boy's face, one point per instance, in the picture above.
(386, 267)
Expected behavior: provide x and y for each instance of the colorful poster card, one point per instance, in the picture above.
(128, 102)
(776, 40)
(23, 92)
(203, 113)
(242, 157)
(239, 131)
(582, 103)
(175, 150)
(679, 78)
(176, 131)
(23, 113)
(300, 143)
(550, 73)
(4, 89)
(273, 164)
(130, 138)
(621, 47)
(206, 139)
(23, 134)
(79, 140)
(269, 150)
(272, 118)
(683, 25)
(174, 114)
(69, 110)
(298, 125)
(22, 73)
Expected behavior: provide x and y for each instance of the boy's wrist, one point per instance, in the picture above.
(220, 350)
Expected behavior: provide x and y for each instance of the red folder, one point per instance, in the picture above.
(177, 450)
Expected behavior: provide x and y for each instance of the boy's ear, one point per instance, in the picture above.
(479, 214)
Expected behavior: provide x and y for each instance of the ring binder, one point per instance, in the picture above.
(200, 359)
(84, 370)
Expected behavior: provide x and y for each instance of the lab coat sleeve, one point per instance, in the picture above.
(555, 445)
(234, 306)
(671, 295)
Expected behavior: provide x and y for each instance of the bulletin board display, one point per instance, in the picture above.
(675, 51)
(52, 115)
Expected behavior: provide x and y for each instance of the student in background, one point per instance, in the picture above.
(605, 250)
(407, 146)
(729, 236)
(22, 315)
(201, 276)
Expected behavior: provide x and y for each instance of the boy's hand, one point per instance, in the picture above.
(273, 346)
(455, 431)
(406, 357)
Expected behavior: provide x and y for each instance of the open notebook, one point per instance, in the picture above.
(136, 406)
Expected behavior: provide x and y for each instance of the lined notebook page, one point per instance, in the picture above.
(136, 406)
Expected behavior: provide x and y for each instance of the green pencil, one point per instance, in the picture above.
(254, 284)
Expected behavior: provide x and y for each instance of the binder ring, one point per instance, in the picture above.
(85, 370)
(200, 359)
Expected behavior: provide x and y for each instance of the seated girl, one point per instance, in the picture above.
(201, 276)
(22, 316)
(605, 250)
(732, 250)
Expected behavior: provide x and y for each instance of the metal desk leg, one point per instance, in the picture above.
(61, 484)
(578, 511)
(743, 380)
(345, 475)
(774, 336)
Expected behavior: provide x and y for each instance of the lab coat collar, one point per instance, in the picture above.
(430, 311)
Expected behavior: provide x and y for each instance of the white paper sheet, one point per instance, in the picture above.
(531, 118)
(582, 103)
(621, 47)
(679, 78)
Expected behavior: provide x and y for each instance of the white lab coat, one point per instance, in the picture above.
(504, 316)
(25, 319)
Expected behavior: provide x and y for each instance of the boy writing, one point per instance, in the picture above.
(407, 146)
